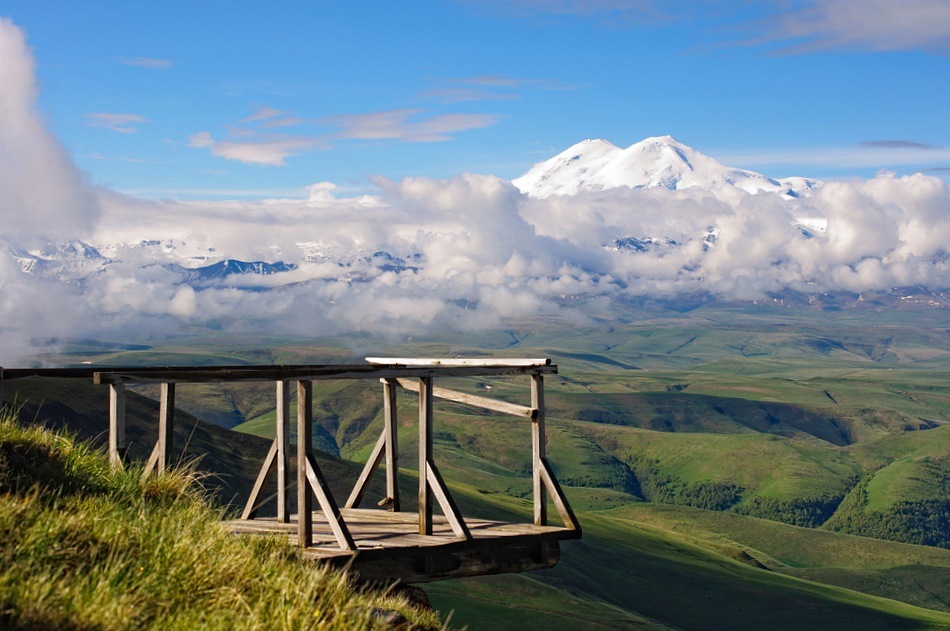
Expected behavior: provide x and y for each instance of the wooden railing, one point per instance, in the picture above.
(415, 375)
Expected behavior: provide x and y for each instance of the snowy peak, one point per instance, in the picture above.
(655, 162)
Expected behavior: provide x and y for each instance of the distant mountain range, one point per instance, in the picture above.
(657, 162)
(586, 168)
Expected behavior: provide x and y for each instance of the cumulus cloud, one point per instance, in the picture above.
(472, 251)
(41, 191)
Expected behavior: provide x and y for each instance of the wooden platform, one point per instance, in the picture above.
(389, 547)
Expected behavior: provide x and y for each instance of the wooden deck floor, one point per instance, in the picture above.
(390, 548)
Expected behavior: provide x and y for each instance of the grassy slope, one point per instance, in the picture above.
(664, 578)
(83, 547)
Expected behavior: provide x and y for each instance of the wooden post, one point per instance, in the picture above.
(116, 425)
(283, 450)
(538, 439)
(166, 426)
(425, 455)
(304, 450)
(392, 444)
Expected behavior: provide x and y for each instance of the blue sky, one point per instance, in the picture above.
(206, 99)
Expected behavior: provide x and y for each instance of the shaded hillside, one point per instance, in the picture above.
(231, 459)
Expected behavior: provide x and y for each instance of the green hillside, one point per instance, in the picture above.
(723, 461)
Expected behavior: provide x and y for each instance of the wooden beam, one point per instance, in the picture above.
(362, 484)
(264, 477)
(449, 507)
(116, 425)
(329, 506)
(471, 399)
(457, 361)
(166, 426)
(538, 450)
(425, 455)
(304, 451)
(391, 437)
(283, 451)
(308, 372)
(560, 500)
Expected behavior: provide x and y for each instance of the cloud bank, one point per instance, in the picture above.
(466, 253)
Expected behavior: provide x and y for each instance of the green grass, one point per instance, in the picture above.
(626, 573)
(83, 547)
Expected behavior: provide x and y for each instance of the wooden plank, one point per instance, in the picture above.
(116, 425)
(166, 426)
(449, 508)
(359, 489)
(268, 469)
(560, 501)
(283, 450)
(391, 436)
(472, 399)
(538, 450)
(330, 509)
(409, 367)
(457, 361)
(304, 451)
(307, 373)
(425, 455)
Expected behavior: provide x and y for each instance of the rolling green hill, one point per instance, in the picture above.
(694, 446)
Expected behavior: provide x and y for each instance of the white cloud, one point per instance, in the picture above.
(259, 145)
(148, 62)
(122, 123)
(472, 251)
(875, 25)
(40, 188)
(407, 125)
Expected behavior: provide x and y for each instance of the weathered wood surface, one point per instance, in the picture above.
(388, 546)
(458, 361)
(473, 399)
(313, 372)
(376, 529)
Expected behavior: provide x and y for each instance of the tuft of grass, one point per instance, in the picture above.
(85, 547)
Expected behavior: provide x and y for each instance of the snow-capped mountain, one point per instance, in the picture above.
(661, 161)
(62, 260)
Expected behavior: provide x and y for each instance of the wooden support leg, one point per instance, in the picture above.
(362, 484)
(166, 426)
(385, 445)
(116, 425)
(283, 450)
(264, 478)
(538, 440)
(560, 501)
(304, 451)
(425, 455)
(329, 506)
(449, 508)
(392, 444)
